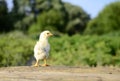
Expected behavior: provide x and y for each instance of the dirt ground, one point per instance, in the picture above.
(59, 73)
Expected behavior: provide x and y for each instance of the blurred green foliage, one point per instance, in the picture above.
(59, 16)
(46, 14)
(77, 19)
(99, 46)
(9, 19)
(4, 26)
(76, 50)
(15, 49)
(107, 21)
(52, 20)
(85, 50)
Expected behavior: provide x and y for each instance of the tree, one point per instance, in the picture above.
(4, 17)
(51, 16)
(107, 21)
(77, 19)
(59, 16)
(9, 19)
(18, 14)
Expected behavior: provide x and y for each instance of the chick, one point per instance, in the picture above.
(42, 48)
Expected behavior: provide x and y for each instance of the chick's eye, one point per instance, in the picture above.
(47, 33)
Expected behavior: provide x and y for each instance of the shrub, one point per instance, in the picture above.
(15, 49)
(85, 50)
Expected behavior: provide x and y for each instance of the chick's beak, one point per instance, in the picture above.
(50, 34)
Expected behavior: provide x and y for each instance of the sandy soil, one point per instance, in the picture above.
(59, 73)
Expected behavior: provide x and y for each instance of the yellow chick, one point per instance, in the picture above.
(42, 48)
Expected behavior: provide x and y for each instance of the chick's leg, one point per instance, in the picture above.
(37, 63)
(45, 62)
